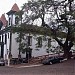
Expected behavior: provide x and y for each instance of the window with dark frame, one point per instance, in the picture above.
(0, 38)
(39, 41)
(49, 42)
(16, 20)
(29, 40)
(9, 21)
(5, 38)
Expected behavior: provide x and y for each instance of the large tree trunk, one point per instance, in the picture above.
(66, 48)
(67, 53)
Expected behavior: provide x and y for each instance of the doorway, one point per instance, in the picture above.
(28, 53)
(2, 51)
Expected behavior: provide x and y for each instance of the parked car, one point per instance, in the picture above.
(52, 60)
(74, 57)
(61, 58)
(2, 63)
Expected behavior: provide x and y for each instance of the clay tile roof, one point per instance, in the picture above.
(3, 19)
(15, 8)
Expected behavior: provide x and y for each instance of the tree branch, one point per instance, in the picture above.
(59, 42)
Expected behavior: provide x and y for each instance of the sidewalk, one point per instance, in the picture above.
(24, 65)
(28, 65)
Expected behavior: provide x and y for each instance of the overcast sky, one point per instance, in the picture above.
(6, 5)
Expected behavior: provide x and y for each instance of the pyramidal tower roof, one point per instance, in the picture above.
(15, 8)
(3, 19)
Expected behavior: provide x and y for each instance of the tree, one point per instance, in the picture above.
(37, 9)
(19, 15)
(64, 22)
(61, 20)
(20, 34)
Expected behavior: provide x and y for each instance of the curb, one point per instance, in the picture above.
(25, 66)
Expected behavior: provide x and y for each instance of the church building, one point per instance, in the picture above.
(8, 44)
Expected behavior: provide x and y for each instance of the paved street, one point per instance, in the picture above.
(65, 68)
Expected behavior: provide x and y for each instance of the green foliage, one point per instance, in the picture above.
(37, 8)
(21, 40)
(19, 17)
(44, 38)
(61, 20)
(31, 29)
(21, 47)
(20, 13)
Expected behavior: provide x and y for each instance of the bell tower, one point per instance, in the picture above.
(11, 15)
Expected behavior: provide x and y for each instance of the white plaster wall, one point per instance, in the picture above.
(10, 16)
(8, 40)
(40, 52)
(23, 55)
(14, 47)
(5, 52)
(35, 53)
(6, 46)
(13, 21)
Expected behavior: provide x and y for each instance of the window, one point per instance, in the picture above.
(39, 41)
(9, 21)
(16, 20)
(29, 40)
(49, 42)
(0, 38)
(1, 24)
